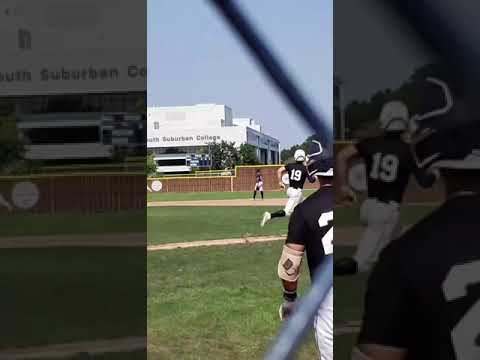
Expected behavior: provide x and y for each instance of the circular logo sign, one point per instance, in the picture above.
(357, 177)
(25, 195)
(156, 185)
(285, 179)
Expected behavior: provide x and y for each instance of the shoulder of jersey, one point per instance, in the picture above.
(317, 200)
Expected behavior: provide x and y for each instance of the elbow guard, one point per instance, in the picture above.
(289, 264)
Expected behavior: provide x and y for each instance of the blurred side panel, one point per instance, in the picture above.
(72, 179)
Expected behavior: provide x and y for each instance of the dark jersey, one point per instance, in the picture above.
(424, 293)
(311, 226)
(389, 164)
(259, 178)
(297, 174)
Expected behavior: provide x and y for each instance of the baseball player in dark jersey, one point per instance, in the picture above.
(389, 165)
(297, 174)
(258, 184)
(423, 297)
(310, 231)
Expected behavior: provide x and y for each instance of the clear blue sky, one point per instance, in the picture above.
(193, 58)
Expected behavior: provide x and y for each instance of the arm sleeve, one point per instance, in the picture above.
(386, 319)
(297, 228)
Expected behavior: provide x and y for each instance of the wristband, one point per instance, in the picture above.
(290, 296)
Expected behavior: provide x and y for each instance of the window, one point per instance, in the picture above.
(172, 162)
(62, 135)
(24, 39)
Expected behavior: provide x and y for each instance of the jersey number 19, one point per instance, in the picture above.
(296, 175)
(384, 167)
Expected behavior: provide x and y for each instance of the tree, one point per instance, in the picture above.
(151, 164)
(12, 149)
(248, 155)
(223, 155)
(362, 117)
(286, 155)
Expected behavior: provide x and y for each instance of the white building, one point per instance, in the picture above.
(72, 98)
(180, 136)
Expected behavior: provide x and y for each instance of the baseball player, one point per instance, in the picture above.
(420, 309)
(297, 174)
(389, 164)
(258, 184)
(310, 231)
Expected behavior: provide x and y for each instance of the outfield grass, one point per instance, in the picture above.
(163, 196)
(182, 224)
(59, 295)
(215, 303)
(28, 225)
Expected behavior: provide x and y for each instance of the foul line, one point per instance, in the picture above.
(221, 242)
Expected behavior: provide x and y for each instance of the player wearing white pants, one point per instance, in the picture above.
(382, 223)
(389, 164)
(310, 232)
(323, 325)
(295, 197)
(258, 184)
(294, 175)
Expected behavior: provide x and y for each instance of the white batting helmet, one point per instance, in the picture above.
(300, 155)
(394, 116)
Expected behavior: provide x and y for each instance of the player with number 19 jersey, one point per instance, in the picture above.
(297, 174)
(389, 164)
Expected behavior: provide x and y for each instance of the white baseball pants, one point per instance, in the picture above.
(323, 324)
(295, 197)
(382, 222)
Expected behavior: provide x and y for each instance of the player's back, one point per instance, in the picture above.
(315, 215)
(389, 164)
(437, 266)
(297, 174)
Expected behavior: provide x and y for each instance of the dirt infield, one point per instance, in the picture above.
(221, 242)
(234, 202)
(59, 351)
(342, 237)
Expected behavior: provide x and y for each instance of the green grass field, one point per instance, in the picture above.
(27, 225)
(215, 303)
(180, 224)
(59, 295)
(203, 303)
(223, 301)
(162, 196)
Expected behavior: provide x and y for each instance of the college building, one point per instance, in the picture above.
(180, 136)
(72, 99)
